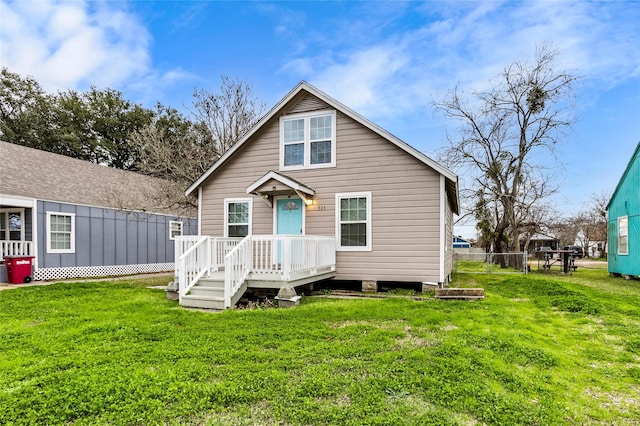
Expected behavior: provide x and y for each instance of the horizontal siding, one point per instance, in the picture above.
(405, 199)
(448, 259)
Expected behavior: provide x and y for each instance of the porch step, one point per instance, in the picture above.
(208, 293)
(207, 290)
(211, 282)
(200, 301)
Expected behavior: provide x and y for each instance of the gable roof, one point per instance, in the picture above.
(451, 178)
(32, 173)
(636, 155)
(285, 180)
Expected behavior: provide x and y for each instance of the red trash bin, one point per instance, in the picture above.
(18, 269)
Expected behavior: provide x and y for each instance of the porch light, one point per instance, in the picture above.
(308, 201)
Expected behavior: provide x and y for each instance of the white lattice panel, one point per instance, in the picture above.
(47, 274)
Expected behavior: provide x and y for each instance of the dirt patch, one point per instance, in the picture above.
(591, 264)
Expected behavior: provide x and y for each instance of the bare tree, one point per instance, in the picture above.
(174, 149)
(597, 214)
(590, 225)
(524, 113)
(228, 114)
(180, 150)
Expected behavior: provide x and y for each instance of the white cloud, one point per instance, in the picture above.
(71, 45)
(469, 44)
(360, 81)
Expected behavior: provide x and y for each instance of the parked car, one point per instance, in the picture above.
(576, 251)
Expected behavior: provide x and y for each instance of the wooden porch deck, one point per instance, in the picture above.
(215, 272)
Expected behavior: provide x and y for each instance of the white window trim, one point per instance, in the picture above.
(369, 245)
(172, 223)
(226, 213)
(307, 140)
(22, 224)
(625, 253)
(72, 248)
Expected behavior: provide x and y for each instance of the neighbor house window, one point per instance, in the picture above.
(308, 140)
(353, 221)
(61, 236)
(175, 229)
(11, 225)
(237, 217)
(623, 235)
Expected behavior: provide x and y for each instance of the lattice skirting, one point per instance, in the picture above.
(46, 274)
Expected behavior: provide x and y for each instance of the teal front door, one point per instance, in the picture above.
(288, 220)
(289, 216)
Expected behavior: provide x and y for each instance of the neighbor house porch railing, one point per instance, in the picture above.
(257, 257)
(16, 248)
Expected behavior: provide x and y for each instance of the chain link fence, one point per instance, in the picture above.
(490, 263)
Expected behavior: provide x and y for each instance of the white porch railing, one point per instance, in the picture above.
(237, 266)
(184, 243)
(197, 256)
(258, 257)
(220, 247)
(285, 257)
(16, 248)
(192, 265)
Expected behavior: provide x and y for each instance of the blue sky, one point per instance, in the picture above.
(386, 60)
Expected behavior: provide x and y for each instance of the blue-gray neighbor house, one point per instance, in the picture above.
(623, 230)
(459, 242)
(80, 219)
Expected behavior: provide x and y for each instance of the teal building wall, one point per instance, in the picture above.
(625, 201)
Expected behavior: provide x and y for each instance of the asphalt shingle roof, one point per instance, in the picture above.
(32, 173)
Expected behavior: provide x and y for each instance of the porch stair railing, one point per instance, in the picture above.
(274, 258)
(237, 267)
(192, 265)
(197, 257)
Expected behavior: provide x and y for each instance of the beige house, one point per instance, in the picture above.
(322, 191)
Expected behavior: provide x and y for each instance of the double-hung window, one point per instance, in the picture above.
(353, 221)
(623, 235)
(61, 235)
(175, 229)
(308, 140)
(237, 217)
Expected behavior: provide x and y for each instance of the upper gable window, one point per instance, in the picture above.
(308, 140)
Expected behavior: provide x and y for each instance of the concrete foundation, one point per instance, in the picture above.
(287, 297)
(426, 287)
(172, 291)
(371, 286)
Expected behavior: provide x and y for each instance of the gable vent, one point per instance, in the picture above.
(307, 104)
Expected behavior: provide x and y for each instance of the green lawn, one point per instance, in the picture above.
(539, 349)
(474, 266)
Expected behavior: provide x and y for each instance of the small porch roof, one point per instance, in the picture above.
(274, 183)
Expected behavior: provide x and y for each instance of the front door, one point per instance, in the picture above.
(289, 216)
(289, 220)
